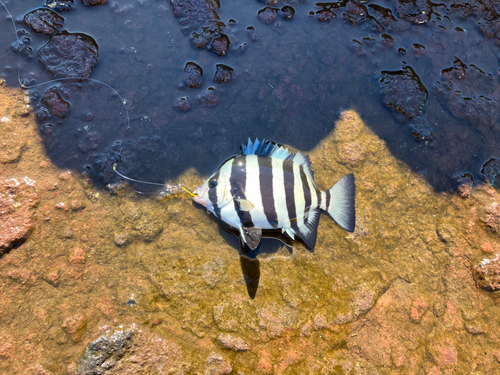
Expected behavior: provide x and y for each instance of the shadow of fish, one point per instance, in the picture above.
(265, 190)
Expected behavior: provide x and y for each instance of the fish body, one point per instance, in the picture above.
(266, 187)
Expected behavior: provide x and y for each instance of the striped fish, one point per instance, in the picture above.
(266, 187)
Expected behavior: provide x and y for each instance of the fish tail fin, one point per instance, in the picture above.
(341, 205)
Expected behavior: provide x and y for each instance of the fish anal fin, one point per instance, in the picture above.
(251, 236)
(308, 231)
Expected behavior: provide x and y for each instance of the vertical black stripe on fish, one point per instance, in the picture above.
(266, 189)
(307, 192)
(212, 195)
(289, 181)
(238, 182)
(327, 199)
(318, 194)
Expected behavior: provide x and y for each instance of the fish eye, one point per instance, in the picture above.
(212, 183)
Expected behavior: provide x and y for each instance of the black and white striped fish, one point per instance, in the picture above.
(267, 187)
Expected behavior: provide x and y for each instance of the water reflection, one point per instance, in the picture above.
(290, 77)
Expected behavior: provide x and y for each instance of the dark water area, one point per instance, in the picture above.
(424, 78)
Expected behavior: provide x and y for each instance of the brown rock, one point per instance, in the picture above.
(17, 199)
(233, 343)
(57, 105)
(487, 273)
(44, 21)
(75, 327)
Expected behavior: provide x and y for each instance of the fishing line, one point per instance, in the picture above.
(167, 189)
(23, 86)
(165, 192)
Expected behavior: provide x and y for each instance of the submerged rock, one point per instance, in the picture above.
(487, 273)
(59, 5)
(470, 94)
(200, 18)
(57, 105)
(208, 98)
(223, 73)
(17, 199)
(268, 14)
(490, 170)
(69, 55)
(130, 350)
(93, 2)
(415, 11)
(404, 92)
(44, 21)
(193, 74)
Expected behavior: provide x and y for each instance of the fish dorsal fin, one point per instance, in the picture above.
(251, 236)
(304, 161)
(265, 148)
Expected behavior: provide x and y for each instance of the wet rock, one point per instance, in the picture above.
(444, 355)
(490, 213)
(487, 273)
(268, 14)
(465, 184)
(75, 327)
(415, 11)
(69, 55)
(200, 18)
(193, 74)
(470, 94)
(231, 342)
(209, 98)
(44, 21)
(128, 351)
(216, 365)
(148, 228)
(93, 2)
(326, 12)
(220, 45)
(421, 129)
(103, 353)
(490, 170)
(404, 92)
(117, 188)
(57, 105)
(90, 142)
(354, 12)
(251, 33)
(121, 238)
(182, 104)
(223, 73)
(17, 199)
(59, 5)
(287, 12)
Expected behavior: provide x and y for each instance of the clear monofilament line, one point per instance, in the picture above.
(23, 86)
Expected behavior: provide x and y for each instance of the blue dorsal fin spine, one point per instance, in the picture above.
(265, 148)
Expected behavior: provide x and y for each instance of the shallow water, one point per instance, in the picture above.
(290, 85)
(396, 296)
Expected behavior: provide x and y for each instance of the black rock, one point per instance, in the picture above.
(103, 353)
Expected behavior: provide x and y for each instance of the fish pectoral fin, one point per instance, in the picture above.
(245, 205)
(251, 236)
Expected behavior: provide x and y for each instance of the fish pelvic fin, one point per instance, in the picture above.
(251, 236)
(341, 205)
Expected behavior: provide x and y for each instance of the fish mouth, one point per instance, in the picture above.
(200, 198)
